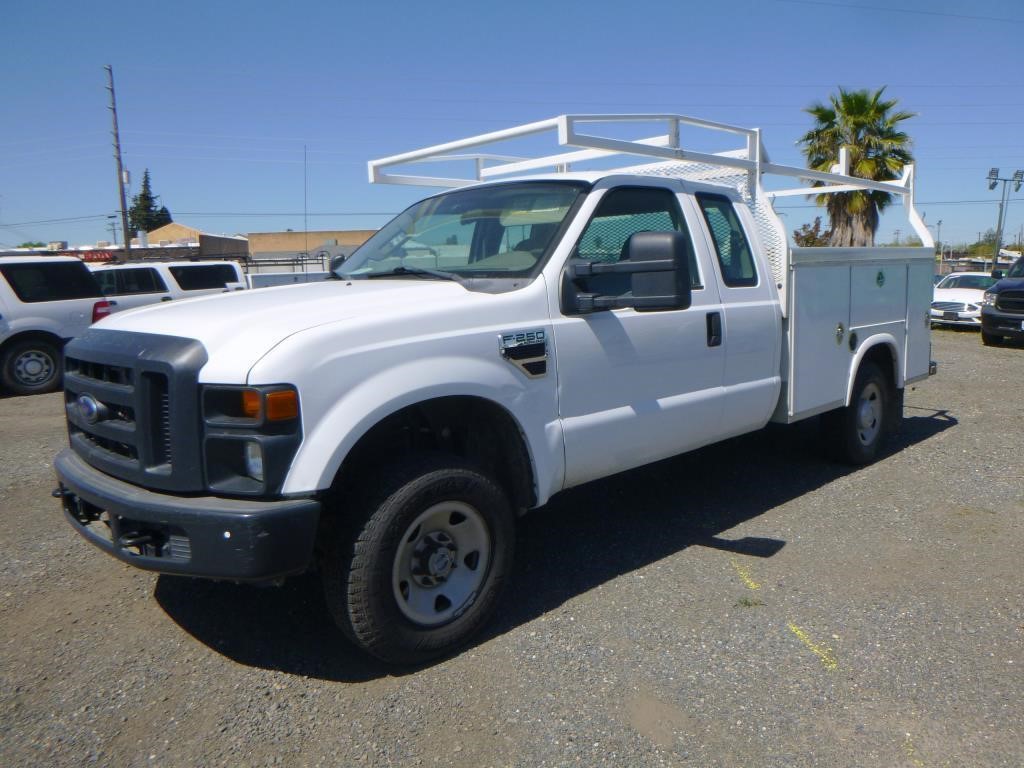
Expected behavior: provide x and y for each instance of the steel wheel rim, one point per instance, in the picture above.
(869, 414)
(33, 367)
(441, 562)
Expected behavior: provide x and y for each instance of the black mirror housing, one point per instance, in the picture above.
(659, 266)
(997, 274)
(666, 288)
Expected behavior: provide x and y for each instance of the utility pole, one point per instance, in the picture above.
(117, 157)
(993, 179)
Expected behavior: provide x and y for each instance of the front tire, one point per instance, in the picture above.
(991, 339)
(856, 432)
(420, 567)
(31, 367)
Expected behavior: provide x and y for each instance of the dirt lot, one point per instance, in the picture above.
(747, 605)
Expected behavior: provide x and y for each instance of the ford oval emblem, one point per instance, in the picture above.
(90, 409)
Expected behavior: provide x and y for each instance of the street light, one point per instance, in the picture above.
(993, 179)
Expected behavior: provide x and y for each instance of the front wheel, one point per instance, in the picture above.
(991, 339)
(855, 433)
(420, 567)
(31, 367)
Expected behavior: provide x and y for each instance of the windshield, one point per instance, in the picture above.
(498, 231)
(1017, 270)
(978, 282)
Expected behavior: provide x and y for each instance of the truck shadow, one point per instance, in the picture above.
(580, 540)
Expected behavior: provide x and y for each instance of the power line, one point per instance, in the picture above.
(56, 221)
(913, 11)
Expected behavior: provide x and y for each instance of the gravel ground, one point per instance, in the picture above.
(746, 605)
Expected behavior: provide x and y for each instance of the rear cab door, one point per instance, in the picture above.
(751, 313)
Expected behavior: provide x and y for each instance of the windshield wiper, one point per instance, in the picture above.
(403, 270)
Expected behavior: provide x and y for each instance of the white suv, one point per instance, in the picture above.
(133, 285)
(44, 302)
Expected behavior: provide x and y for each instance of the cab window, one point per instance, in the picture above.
(203, 276)
(734, 255)
(57, 281)
(122, 282)
(623, 212)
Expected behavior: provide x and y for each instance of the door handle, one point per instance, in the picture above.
(165, 298)
(714, 320)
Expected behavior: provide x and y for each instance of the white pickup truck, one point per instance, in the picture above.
(493, 345)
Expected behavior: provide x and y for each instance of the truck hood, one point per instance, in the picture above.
(251, 323)
(1008, 284)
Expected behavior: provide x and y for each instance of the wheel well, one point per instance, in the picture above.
(883, 356)
(57, 341)
(472, 428)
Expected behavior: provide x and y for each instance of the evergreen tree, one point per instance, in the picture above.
(144, 214)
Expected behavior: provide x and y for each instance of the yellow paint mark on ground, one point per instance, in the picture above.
(828, 659)
(744, 573)
(911, 752)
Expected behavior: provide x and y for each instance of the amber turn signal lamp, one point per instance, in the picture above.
(282, 405)
(250, 403)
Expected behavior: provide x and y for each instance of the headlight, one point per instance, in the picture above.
(250, 436)
(234, 405)
(254, 460)
(989, 299)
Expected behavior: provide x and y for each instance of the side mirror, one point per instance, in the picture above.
(997, 274)
(659, 266)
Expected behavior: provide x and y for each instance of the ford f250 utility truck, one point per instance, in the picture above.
(533, 327)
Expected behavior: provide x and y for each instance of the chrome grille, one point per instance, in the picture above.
(948, 306)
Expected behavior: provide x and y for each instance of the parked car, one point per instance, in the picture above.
(957, 299)
(132, 285)
(44, 302)
(1002, 307)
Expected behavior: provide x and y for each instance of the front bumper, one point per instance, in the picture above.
(962, 319)
(997, 323)
(208, 536)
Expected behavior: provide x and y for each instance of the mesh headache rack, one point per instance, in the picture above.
(743, 168)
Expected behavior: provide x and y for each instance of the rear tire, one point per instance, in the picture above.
(991, 339)
(419, 567)
(856, 432)
(31, 367)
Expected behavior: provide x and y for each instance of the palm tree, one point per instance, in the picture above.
(863, 123)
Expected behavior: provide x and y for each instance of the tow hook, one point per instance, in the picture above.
(135, 539)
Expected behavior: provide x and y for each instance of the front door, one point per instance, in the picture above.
(635, 387)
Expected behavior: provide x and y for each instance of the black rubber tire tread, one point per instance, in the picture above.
(359, 557)
(10, 381)
(840, 425)
(991, 339)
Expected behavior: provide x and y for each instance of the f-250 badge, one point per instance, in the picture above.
(527, 350)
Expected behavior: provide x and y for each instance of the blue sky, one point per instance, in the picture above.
(219, 99)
